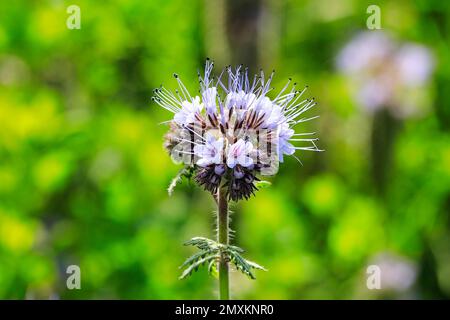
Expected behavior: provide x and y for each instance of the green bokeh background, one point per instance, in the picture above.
(83, 174)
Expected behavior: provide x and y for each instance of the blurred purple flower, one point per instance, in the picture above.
(398, 274)
(386, 73)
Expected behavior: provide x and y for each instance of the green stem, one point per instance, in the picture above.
(384, 132)
(222, 237)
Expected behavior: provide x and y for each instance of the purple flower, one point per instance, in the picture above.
(210, 152)
(239, 154)
(235, 130)
(386, 73)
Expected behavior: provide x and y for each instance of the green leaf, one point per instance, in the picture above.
(186, 172)
(254, 265)
(214, 251)
(194, 258)
(263, 184)
(202, 243)
(212, 269)
(234, 248)
(241, 264)
(245, 266)
(194, 267)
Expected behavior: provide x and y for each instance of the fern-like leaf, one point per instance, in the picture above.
(211, 251)
(243, 265)
(254, 265)
(202, 243)
(212, 268)
(195, 257)
(193, 267)
(262, 184)
(234, 248)
(185, 172)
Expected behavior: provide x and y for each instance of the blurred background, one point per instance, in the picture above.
(84, 176)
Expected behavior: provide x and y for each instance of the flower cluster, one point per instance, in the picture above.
(233, 130)
(386, 73)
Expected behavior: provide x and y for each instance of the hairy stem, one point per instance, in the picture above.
(222, 237)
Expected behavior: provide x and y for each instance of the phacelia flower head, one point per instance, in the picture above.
(233, 131)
